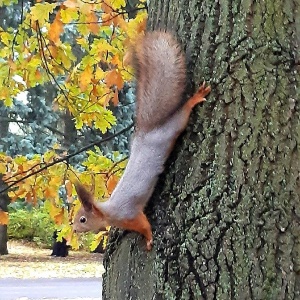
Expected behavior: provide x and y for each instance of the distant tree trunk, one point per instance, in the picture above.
(4, 199)
(69, 129)
(3, 240)
(226, 212)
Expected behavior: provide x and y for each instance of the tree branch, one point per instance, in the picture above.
(66, 158)
(54, 130)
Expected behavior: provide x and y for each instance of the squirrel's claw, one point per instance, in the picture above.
(199, 96)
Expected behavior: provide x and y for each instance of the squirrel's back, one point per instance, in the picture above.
(161, 78)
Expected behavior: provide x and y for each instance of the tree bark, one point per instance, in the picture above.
(4, 199)
(226, 211)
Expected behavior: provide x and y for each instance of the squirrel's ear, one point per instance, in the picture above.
(85, 197)
(97, 211)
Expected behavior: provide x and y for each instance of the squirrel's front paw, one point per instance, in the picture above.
(203, 91)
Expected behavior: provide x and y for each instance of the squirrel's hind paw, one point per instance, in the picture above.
(149, 244)
(202, 92)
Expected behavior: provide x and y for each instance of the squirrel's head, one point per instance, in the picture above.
(89, 217)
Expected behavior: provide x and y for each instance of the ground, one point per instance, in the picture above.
(27, 261)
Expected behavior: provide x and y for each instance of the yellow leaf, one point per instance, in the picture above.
(83, 43)
(78, 122)
(5, 38)
(101, 236)
(117, 4)
(69, 14)
(50, 192)
(92, 20)
(66, 57)
(116, 61)
(49, 156)
(74, 242)
(40, 12)
(101, 46)
(136, 26)
(3, 217)
(55, 181)
(65, 232)
(56, 213)
(2, 168)
(85, 78)
(99, 74)
(105, 122)
(8, 101)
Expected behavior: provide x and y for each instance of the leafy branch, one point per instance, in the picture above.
(65, 158)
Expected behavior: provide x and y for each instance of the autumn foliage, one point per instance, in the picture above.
(79, 47)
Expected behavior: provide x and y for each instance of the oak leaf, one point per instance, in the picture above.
(68, 14)
(117, 4)
(112, 78)
(85, 78)
(93, 22)
(40, 12)
(56, 28)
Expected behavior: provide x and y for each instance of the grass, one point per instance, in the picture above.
(27, 261)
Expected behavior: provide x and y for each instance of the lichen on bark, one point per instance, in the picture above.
(226, 211)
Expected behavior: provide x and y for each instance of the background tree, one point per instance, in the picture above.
(4, 126)
(225, 213)
(66, 61)
(4, 199)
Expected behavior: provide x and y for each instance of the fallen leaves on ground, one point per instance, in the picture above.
(27, 261)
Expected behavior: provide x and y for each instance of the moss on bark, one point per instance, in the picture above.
(226, 212)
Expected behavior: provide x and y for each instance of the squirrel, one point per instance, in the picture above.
(161, 116)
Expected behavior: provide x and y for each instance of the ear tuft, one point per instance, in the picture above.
(85, 197)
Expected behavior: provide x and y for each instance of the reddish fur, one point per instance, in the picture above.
(139, 224)
(160, 118)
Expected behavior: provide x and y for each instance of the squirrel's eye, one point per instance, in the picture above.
(82, 219)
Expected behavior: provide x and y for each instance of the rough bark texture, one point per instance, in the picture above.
(226, 212)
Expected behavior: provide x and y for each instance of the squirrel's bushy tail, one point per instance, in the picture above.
(161, 78)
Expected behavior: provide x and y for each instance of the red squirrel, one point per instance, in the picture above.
(160, 118)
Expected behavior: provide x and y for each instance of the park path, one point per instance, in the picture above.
(46, 289)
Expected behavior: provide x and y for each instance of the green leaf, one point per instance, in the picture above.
(7, 2)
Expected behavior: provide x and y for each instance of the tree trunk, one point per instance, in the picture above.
(3, 240)
(4, 199)
(226, 211)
